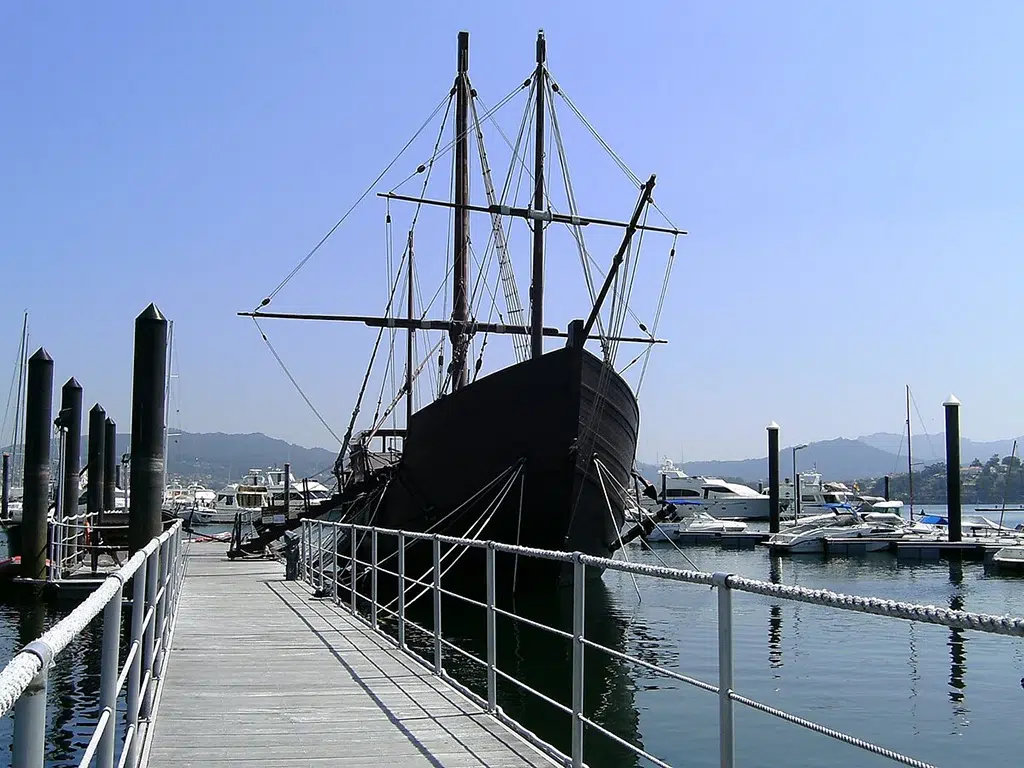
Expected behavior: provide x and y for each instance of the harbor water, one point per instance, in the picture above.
(945, 696)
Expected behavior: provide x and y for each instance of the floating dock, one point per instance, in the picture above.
(263, 674)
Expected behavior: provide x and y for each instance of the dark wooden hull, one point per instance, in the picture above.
(549, 416)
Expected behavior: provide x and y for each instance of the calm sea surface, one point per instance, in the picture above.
(945, 696)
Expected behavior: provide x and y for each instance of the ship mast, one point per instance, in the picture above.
(460, 263)
(537, 283)
(910, 458)
(409, 343)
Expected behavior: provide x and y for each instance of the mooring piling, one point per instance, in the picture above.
(5, 489)
(887, 488)
(109, 465)
(36, 484)
(953, 509)
(94, 492)
(773, 477)
(71, 418)
(149, 381)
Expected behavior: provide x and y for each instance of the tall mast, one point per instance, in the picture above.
(537, 284)
(167, 399)
(19, 404)
(408, 346)
(460, 266)
(910, 458)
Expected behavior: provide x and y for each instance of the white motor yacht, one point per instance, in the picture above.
(712, 495)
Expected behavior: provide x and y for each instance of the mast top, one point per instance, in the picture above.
(542, 47)
(463, 52)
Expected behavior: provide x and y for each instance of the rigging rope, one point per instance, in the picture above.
(293, 381)
(332, 230)
(420, 168)
(607, 148)
(657, 314)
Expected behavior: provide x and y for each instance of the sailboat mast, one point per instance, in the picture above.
(408, 343)
(22, 386)
(167, 398)
(910, 458)
(460, 265)
(537, 283)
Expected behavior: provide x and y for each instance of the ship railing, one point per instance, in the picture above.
(327, 549)
(71, 540)
(156, 572)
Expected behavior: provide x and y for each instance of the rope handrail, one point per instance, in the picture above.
(17, 675)
(724, 583)
(928, 614)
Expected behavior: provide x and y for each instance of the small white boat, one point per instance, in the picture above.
(1010, 558)
(698, 522)
(812, 537)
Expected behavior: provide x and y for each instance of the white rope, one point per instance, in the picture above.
(830, 732)
(19, 671)
(618, 533)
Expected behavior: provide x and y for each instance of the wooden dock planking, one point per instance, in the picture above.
(261, 674)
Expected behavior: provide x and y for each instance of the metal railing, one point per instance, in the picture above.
(324, 545)
(156, 573)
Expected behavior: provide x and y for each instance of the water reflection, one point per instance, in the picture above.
(775, 619)
(957, 641)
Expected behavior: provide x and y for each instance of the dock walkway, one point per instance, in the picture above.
(262, 674)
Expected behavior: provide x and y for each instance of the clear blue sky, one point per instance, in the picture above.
(851, 175)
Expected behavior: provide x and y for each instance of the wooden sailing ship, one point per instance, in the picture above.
(537, 453)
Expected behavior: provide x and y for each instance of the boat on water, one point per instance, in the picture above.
(537, 452)
(713, 496)
(1009, 559)
(812, 537)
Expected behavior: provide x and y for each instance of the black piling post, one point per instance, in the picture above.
(887, 488)
(71, 418)
(5, 488)
(94, 490)
(36, 501)
(109, 465)
(149, 381)
(953, 510)
(773, 477)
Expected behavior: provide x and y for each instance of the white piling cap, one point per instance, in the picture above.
(773, 425)
(951, 400)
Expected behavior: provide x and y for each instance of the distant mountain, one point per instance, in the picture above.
(217, 458)
(839, 459)
(930, 448)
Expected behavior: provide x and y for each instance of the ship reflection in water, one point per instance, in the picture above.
(542, 661)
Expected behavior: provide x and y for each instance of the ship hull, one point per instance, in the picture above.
(510, 458)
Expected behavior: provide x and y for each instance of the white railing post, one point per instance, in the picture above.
(401, 590)
(304, 552)
(725, 715)
(29, 747)
(149, 638)
(135, 673)
(579, 576)
(352, 569)
(492, 635)
(336, 528)
(161, 606)
(373, 578)
(108, 677)
(437, 604)
(320, 554)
